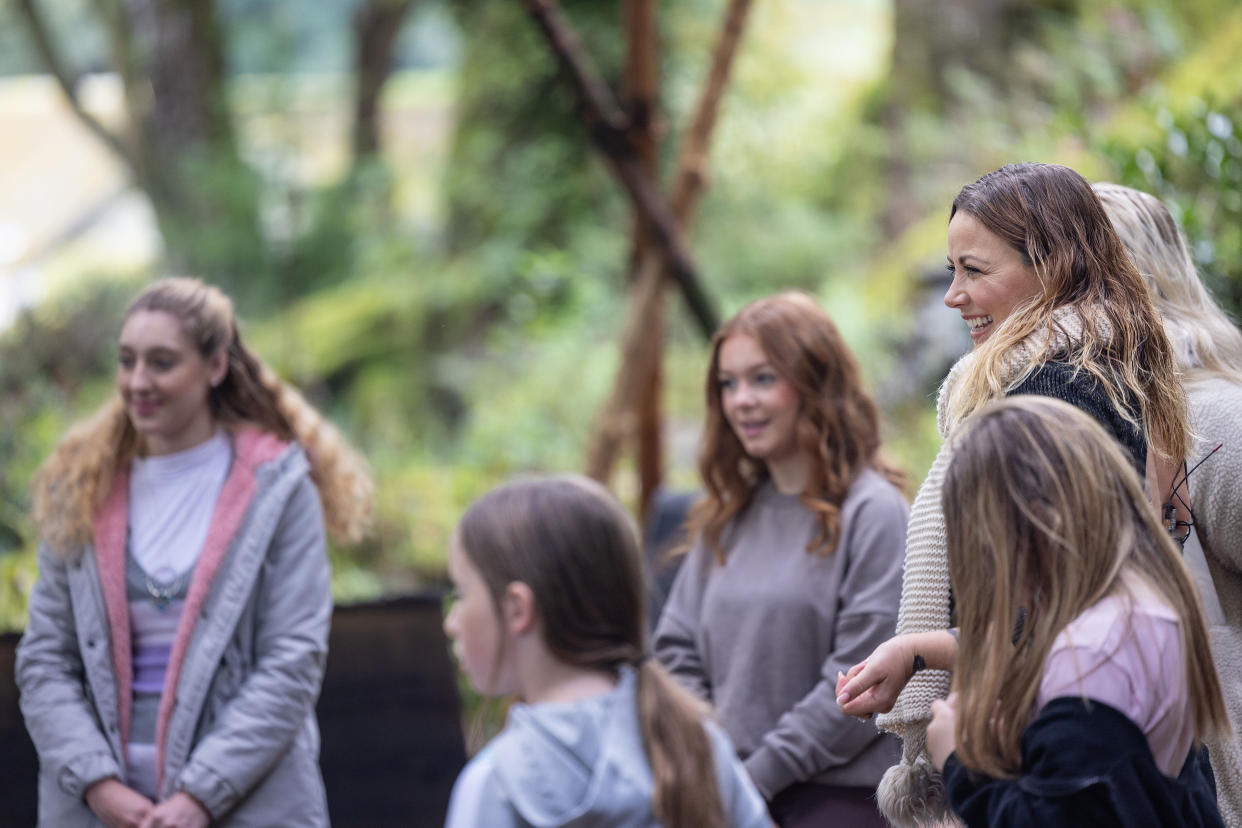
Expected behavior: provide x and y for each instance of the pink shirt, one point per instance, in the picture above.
(1127, 653)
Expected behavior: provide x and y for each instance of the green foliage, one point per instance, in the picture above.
(520, 169)
(474, 337)
(1182, 141)
(1197, 171)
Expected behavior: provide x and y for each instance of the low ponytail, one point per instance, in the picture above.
(570, 542)
(683, 766)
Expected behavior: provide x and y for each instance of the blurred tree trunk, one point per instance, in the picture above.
(639, 351)
(640, 99)
(376, 26)
(205, 197)
(179, 142)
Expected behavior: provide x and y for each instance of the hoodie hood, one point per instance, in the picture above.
(577, 764)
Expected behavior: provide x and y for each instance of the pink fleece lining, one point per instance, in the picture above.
(109, 530)
(251, 449)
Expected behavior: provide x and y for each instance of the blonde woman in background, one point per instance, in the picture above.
(1208, 349)
(179, 625)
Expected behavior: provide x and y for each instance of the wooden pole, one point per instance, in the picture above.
(608, 128)
(616, 418)
(642, 104)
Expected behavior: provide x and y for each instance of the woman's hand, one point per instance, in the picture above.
(941, 732)
(117, 805)
(872, 685)
(178, 811)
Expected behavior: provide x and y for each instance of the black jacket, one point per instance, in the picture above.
(1088, 766)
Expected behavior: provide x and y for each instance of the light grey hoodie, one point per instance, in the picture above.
(581, 765)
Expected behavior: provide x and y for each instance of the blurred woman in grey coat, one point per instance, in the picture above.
(179, 625)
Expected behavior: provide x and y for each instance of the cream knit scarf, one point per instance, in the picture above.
(911, 792)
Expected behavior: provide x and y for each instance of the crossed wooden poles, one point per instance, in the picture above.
(626, 137)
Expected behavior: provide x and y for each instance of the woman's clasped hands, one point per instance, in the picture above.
(119, 806)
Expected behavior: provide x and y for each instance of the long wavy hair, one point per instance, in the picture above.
(570, 541)
(73, 483)
(838, 427)
(1051, 216)
(1205, 341)
(1044, 510)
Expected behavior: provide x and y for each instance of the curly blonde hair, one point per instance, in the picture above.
(73, 483)
(838, 426)
(1050, 215)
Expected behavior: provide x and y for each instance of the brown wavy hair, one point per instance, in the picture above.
(1043, 509)
(569, 540)
(838, 426)
(72, 484)
(1051, 216)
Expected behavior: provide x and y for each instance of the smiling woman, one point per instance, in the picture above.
(795, 567)
(1056, 309)
(762, 408)
(183, 590)
(164, 382)
(990, 278)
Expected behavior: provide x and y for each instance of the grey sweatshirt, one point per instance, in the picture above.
(763, 636)
(582, 765)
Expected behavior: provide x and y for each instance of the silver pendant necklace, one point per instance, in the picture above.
(163, 586)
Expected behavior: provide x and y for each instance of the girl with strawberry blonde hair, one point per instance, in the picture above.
(794, 570)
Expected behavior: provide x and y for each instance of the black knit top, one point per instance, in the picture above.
(1083, 391)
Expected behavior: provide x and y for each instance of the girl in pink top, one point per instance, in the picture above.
(1090, 710)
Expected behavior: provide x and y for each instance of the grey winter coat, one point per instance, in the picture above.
(237, 726)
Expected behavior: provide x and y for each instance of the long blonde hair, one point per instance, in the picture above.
(838, 426)
(568, 540)
(1205, 341)
(1043, 510)
(72, 484)
(1049, 214)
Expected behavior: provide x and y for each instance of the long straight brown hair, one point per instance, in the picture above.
(838, 425)
(569, 540)
(1044, 510)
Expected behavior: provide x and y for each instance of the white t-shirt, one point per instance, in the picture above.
(171, 501)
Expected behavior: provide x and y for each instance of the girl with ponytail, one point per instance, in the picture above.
(178, 628)
(549, 608)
